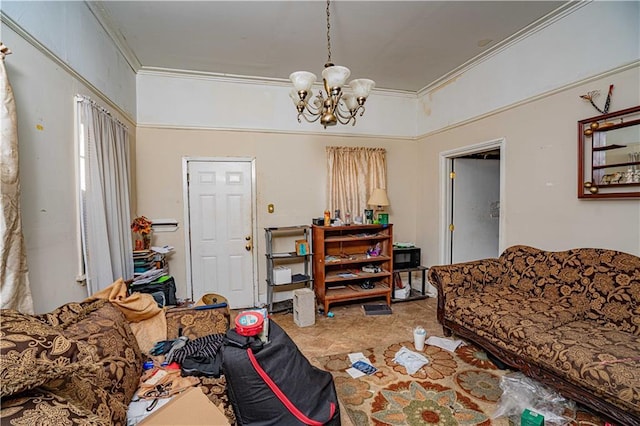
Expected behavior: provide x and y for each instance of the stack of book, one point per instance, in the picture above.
(149, 265)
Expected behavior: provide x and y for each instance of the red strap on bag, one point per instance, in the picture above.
(282, 397)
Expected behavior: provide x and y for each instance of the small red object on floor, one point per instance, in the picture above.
(249, 323)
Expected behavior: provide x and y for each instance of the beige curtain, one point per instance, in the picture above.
(15, 292)
(353, 173)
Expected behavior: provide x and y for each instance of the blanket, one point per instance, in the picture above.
(145, 317)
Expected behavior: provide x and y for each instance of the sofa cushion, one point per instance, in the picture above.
(558, 276)
(108, 390)
(605, 283)
(195, 323)
(603, 360)
(614, 292)
(33, 353)
(508, 315)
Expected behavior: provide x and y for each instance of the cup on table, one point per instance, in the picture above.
(419, 334)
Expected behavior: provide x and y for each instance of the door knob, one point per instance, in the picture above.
(248, 238)
(248, 247)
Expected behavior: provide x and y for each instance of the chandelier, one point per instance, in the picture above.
(339, 102)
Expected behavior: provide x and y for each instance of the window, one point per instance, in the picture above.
(353, 173)
(103, 196)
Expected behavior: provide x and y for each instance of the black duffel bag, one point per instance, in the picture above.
(167, 286)
(274, 384)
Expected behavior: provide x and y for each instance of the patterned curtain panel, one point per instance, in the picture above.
(353, 173)
(15, 292)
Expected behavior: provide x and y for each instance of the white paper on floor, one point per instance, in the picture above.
(355, 373)
(447, 344)
(358, 356)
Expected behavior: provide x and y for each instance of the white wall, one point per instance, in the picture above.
(598, 37)
(69, 30)
(291, 174)
(177, 100)
(540, 205)
(184, 115)
(44, 95)
(528, 93)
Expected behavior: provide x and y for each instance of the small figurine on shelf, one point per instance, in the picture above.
(142, 226)
(374, 251)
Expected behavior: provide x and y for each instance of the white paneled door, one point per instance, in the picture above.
(220, 206)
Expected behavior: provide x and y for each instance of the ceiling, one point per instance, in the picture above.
(402, 45)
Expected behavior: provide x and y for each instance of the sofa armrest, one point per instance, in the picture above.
(195, 322)
(460, 278)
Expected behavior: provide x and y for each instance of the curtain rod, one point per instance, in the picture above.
(85, 98)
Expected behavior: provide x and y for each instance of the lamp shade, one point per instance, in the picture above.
(378, 198)
(362, 87)
(349, 99)
(335, 75)
(302, 80)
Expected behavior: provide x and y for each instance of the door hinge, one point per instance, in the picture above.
(452, 175)
(451, 227)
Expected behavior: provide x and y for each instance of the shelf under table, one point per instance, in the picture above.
(354, 292)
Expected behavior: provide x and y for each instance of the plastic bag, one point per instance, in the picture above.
(520, 392)
(410, 360)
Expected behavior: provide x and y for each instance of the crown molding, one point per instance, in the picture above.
(245, 79)
(553, 16)
(105, 21)
(273, 131)
(5, 19)
(599, 76)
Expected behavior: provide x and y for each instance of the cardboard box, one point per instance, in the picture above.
(281, 275)
(190, 407)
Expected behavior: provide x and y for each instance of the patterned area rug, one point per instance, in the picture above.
(460, 388)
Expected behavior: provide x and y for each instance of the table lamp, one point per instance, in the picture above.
(379, 199)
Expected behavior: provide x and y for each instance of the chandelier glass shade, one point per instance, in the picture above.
(339, 103)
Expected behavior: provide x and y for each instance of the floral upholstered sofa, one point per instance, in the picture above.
(81, 363)
(570, 319)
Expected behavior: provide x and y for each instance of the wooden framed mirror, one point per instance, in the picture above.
(609, 155)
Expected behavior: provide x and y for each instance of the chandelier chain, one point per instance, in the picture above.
(338, 103)
(328, 35)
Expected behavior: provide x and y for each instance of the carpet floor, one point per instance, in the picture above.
(465, 384)
(461, 388)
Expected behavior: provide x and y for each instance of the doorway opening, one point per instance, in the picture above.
(472, 198)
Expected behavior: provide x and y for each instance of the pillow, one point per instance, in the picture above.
(32, 353)
(114, 348)
(70, 313)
